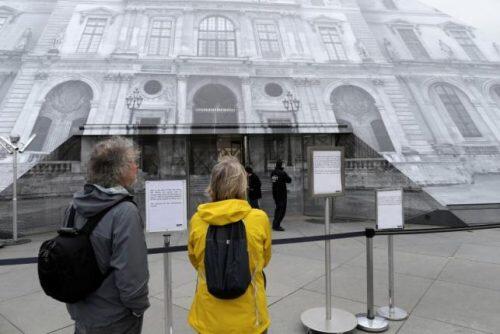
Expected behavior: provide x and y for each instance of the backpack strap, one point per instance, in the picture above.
(91, 224)
(71, 218)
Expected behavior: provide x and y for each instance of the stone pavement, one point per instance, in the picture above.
(450, 283)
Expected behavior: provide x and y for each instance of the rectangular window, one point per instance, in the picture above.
(269, 40)
(92, 35)
(331, 38)
(463, 38)
(160, 37)
(389, 4)
(457, 111)
(3, 21)
(413, 44)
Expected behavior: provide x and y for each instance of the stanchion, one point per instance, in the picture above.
(391, 312)
(167, 280)
(368, 322)
(328, 319)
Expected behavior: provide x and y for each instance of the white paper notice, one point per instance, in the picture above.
(390, 209)
(166, 206)
(327, 172)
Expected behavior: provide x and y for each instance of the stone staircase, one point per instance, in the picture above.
(16, 98)
(60, 17)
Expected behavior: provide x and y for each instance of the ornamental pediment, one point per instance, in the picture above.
(99, 12)
(323, 20)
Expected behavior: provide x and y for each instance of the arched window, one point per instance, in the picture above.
(355, 106)
(65, 109)
(458, 105)
(216, 37)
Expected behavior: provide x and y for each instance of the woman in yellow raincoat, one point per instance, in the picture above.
(248, 313)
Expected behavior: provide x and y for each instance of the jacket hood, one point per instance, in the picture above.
(224, 212)
(95, 199)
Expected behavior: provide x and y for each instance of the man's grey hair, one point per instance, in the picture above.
(110, 160)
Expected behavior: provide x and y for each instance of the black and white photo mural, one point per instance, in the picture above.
(65, 109)
(215, 104)
(355, 107)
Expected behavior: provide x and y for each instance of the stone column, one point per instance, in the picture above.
(247, 101)
(304, 115)
(122, 38)
(285, 37)
(188, 35)
(178, 36)
(181, 116)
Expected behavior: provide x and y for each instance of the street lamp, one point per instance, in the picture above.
(134, 102)
(291, 104)
(12, 146)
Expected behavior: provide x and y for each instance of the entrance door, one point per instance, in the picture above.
(230, 145)
(205, 151)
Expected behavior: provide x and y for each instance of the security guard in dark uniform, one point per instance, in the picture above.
(279, 179)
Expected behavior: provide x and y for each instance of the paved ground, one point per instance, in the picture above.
(450, 283)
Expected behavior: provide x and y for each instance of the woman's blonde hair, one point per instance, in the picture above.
(228, 180)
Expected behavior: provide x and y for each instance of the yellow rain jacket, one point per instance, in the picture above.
(248, 313)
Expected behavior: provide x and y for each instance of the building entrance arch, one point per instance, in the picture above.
(215, 104)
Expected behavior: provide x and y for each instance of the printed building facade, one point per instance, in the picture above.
(395, 82)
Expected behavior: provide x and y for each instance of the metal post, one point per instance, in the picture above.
(327, 319)
(368, 321)
(328, 265)
(14, 196)
(391, 312)
(167, 280)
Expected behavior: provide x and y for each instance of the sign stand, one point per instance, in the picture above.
(368, 322)
(167, 293)
(392, 312)
(328, 163)
(166, 211)
(391, 200)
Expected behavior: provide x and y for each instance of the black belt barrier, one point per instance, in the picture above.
(357, 234)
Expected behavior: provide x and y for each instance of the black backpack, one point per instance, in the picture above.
(67, 267)
(227, 268)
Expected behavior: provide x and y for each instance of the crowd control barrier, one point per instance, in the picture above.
(368, 321)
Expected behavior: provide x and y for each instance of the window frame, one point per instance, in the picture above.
(460, 118)
(272, 54)
(226, 41)
(411, 50)
(171, 37)
(470, 49)
(87, 50)
(334, 45)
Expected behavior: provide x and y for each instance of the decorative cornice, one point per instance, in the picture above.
(99, 12)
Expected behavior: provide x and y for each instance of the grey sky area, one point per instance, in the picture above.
(482, 14)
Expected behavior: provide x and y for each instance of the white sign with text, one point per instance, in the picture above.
(390, 209)
(327, 172)
(166, 206)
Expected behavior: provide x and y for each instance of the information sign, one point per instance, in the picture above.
(389, 203)
(326, 171)
(166, 206)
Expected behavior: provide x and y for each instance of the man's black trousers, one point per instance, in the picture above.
(280, 211)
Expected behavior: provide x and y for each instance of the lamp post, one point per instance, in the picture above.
(291, 104)
(134, 102)
(13, 147)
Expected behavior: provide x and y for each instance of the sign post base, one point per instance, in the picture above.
(315, 320)
(392, 313)
(375, 325)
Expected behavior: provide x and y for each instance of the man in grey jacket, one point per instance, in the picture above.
(117, 307)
